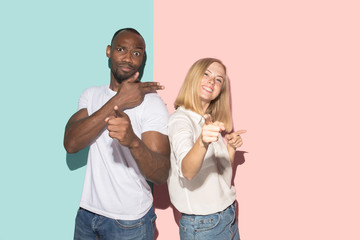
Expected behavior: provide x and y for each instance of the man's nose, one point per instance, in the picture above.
(127, 57)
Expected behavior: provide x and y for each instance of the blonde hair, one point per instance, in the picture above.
(188, 96)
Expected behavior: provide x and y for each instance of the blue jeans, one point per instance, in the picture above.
(89, 226)
(219, 226)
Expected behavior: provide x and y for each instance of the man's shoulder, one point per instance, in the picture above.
(153, 107)
(153, 98)
(90, 91)
(97, 88)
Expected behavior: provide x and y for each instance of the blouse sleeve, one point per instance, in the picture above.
(182, 138)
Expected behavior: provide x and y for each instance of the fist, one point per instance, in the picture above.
(234, 139)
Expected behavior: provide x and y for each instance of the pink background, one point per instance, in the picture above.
(294, 68)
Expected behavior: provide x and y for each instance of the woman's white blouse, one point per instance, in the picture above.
(210, 191)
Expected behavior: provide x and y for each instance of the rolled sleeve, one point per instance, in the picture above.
(181, 136)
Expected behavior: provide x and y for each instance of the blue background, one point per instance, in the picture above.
(50, 52)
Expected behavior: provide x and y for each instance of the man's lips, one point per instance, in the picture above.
(126, 68)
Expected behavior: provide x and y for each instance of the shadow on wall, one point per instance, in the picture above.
(162, 201)
(239, 160)
(77, 160)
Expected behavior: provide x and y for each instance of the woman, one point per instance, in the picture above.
(201, 163)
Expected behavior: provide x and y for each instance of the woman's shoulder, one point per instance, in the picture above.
(182, 114)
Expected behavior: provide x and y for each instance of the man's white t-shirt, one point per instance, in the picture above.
(113, 185)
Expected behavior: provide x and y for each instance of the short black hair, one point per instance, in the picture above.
(126, 29)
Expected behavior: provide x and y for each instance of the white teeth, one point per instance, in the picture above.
(207, 89)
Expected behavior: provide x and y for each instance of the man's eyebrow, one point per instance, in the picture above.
(136, 47)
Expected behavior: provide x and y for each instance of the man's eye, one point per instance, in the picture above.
(120, 49)
(137, 54)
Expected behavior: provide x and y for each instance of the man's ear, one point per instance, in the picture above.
(108, 51)
(108, 54)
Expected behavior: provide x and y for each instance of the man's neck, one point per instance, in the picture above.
(114, 84)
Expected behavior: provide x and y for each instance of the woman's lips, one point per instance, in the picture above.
(207, 89)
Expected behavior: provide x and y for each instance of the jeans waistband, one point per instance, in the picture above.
(231, 205)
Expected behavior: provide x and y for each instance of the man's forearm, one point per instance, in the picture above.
(81, 133)
(82, 129)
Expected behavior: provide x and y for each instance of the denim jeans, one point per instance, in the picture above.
(89, 226)
(219, 226)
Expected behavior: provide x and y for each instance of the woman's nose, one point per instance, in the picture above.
(211, 80)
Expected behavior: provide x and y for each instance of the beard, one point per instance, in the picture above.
(121, 76)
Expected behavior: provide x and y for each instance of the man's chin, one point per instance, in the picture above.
(120, 80)
(123, 77)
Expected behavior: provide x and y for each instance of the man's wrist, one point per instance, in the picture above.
(135, 143)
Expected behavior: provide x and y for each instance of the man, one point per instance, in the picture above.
(125, 124)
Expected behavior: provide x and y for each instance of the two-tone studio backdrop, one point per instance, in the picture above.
(294, 72)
